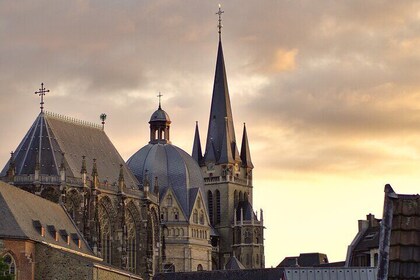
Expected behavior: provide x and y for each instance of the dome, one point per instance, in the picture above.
(160, 115)
(172, 166)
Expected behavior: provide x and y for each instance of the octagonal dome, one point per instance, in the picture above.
(172, 167)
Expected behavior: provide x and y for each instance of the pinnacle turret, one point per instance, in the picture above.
(245, 152)
(197, 154)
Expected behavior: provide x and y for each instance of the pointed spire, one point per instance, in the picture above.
(226, 155)
(197, 154)
(12, 168)
(220, 109)
(245, 153)
(83, 170)
(94, 169)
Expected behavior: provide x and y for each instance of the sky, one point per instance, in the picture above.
(329, 92)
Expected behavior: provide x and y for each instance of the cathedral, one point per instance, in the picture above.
(161, 211)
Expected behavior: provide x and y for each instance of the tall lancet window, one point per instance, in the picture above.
(131, 241)
(218, 210)
(105, 234)
(210, 205)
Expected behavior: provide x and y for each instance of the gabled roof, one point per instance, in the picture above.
(220, 109)
(51, 135)
(233, 264)
(23, 215)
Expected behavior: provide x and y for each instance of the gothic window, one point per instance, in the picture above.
(195, 216)
(199, 203)
(11, 266)
(241, 196)
(235, 198)
(164, 214)
(210, 204)
(131, 241)
(248, 237)
(201, 217)
(199, 267)
(169, 201)
(218, 210)
(105, 234)
(176, 214)
(258, 259)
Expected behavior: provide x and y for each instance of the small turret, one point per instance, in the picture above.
(11, 171)
(197, 154)
(121, 179)
(245, 152)
(83, 170)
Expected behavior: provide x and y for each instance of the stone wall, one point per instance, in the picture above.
(23, 252)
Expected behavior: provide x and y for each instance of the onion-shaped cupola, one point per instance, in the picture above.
(159, 127)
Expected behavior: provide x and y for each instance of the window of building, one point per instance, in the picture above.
(176, 214)
(169, 201)
(218, 210)
(11, 266)
(199, 267)
(201, 217)
(210, 205)
(195, 216)
(169, 267)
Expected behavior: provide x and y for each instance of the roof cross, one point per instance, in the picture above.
(159, 96)
(42, 91)
(220, 12)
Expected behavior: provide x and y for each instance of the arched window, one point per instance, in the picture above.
(169, 201)
(218, 210)
(210, 205)
(235, 198)
(195, 216)
(11, 266)
(131, 241)
(176, 214)
(201, 217)
(241, 196)
(164, 214)
(248, 237)
(199, 267)
(105, 237)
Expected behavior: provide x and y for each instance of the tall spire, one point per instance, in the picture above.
(197, 154)
(226, 155)
(245, 153)
(220, 109)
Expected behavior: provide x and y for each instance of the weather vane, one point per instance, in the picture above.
(103, 118)
(42, 91)
(220, 12)
(159, 95)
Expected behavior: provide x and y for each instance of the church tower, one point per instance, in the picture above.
(228, 179)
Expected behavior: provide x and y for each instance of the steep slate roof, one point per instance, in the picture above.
(247, 209)
(52, 134)
(400, 234)
(221, 137)
(22, 214)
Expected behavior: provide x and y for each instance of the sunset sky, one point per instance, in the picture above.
(329, 90)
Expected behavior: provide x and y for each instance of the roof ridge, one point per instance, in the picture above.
(72, 120)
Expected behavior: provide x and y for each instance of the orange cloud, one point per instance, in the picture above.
(284, 60)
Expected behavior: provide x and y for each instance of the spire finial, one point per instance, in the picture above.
(159, 96)
(42, 91)
(103, 118)
(219, 26)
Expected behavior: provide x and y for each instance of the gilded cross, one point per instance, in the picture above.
(42, 91)
(220, 12)
(159, 96)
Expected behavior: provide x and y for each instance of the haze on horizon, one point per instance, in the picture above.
(329, 90)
